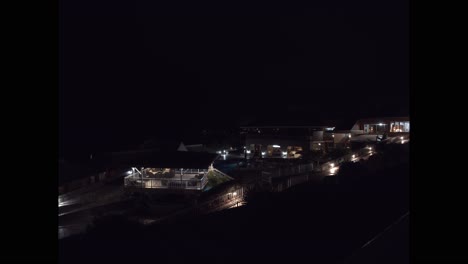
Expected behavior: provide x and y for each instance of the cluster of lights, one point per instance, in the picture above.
(248, 151)
(263, 153)
(333, 169)
(285, 153)
(370, 150)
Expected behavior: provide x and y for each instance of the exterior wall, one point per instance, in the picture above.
(364, 138)
(317, 136)
(387, 121)
(340, 138)
(283, 143)
(284, 137)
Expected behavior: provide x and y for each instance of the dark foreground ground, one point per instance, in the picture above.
(314, 223)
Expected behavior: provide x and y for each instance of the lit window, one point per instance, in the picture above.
(400, 127)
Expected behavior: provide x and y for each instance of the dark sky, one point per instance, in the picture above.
(134, 69)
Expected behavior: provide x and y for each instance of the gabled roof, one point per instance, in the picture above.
(196, 148)
(163, 145)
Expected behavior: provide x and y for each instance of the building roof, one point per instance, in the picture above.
(341, 125)
(337, 124)
(284, 126)
(196, 148)
(157, 159)
(163, 145)
(291, 121)
(378, 119)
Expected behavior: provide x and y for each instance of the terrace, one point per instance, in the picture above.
(167, 178)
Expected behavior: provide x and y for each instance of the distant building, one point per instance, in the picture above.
(285, 141)
(372, 129)
(294, 141)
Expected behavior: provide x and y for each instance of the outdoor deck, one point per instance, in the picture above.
(189, 179)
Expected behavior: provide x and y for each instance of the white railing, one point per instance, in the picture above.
(160, 183)
(190, 171)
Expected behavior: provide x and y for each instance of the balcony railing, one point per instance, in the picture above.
(192, 183)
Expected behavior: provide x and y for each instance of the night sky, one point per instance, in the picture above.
(135, 69)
